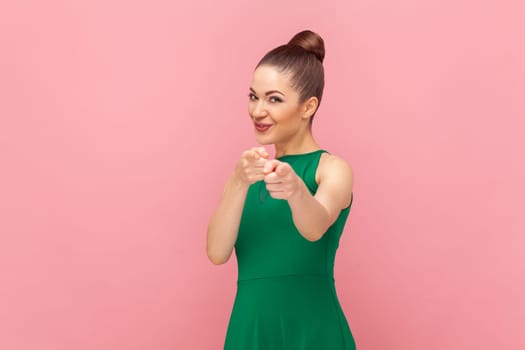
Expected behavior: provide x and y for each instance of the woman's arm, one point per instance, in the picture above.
(313, 215)
(224, 224)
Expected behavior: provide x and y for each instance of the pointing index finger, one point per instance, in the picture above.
(271, 165)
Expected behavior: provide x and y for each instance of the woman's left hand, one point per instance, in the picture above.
(281, 180)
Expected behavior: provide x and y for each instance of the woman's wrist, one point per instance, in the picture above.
(236, 182)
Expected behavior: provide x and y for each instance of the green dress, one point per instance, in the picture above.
(286, 297)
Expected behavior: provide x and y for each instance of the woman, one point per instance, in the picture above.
(284, 216)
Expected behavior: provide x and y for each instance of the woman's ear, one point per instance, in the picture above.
(310, 106)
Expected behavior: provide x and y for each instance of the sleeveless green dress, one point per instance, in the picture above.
(286, 297)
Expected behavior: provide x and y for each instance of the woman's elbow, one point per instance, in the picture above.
(313, 237)
(313, 234)
(217, 259)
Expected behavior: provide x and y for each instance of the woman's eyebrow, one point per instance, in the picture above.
(268, 92)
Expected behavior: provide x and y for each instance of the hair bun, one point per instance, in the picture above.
(311, 42)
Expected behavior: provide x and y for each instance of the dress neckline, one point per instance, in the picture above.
(300, 154)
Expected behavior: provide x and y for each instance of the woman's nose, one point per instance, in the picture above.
(259, 109)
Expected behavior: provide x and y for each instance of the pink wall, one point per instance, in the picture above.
(120, 121)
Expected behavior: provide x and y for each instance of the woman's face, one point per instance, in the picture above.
(274, 107)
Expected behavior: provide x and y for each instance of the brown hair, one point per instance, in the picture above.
(302, 58)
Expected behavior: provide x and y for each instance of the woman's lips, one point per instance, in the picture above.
(262, 127)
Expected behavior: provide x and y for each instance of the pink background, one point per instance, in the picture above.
(120, 121)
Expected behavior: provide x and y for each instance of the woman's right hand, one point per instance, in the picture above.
(250, 167)
(224, 224)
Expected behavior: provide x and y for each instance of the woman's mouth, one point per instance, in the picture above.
(262, 127)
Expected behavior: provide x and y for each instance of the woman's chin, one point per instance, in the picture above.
(262, 140)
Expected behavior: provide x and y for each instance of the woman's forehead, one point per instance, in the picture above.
(267, 78)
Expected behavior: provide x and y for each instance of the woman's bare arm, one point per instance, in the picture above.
(224, 224)
(313, 215)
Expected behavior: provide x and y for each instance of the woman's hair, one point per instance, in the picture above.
(302, 59)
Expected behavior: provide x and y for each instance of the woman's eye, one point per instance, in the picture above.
(275, 99)
(252, 97)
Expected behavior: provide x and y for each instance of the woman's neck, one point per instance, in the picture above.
(298, 145)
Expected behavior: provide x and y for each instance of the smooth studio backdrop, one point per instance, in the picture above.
(121, 120)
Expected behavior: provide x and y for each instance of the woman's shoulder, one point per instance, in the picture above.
(335, 179)
(331, 165)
